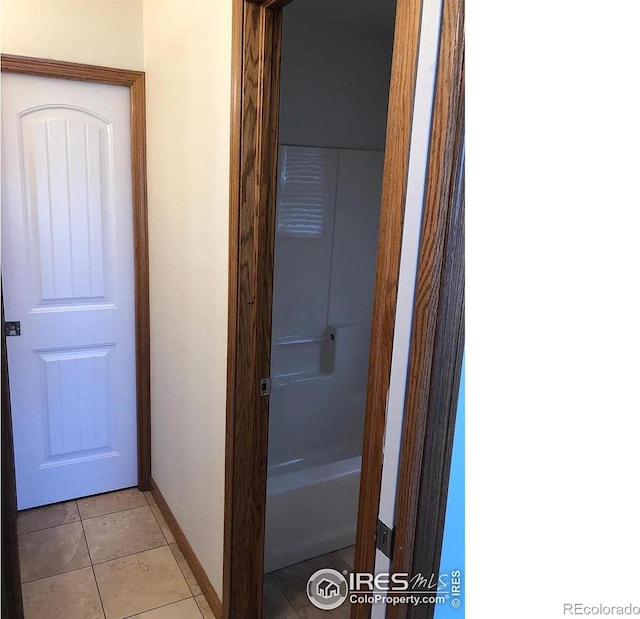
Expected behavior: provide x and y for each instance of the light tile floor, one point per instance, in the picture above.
(110, 556)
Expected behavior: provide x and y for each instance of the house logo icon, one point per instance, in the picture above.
(327, 589)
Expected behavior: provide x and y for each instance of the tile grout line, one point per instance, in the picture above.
(95, 578)
(162, 530)
(117, 511)
(131, 554)
(182, 571)
(128, 555)
(53, 526)
(128, 509)
(101, 494)
(75, 569)
(169, 544)
(92, 564)
(280, 588)
(80, 518)
(148, 610)
(198, 605)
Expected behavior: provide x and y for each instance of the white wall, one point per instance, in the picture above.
(102, 32)
(353, 56)
(187, 47)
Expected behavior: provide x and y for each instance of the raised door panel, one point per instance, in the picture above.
(66, 160)
(77, 409)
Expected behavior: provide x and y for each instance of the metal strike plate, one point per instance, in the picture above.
(265, 386)
(12, 328)
(384, 539)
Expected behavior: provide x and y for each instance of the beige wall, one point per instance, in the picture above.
(187, 47)
(102, 32)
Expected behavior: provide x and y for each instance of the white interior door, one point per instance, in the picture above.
(67, 269)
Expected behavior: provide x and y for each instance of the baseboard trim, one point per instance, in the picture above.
(181, 539)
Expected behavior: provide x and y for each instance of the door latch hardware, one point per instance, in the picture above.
(384, 539)
(12, 328)
(265, 386)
